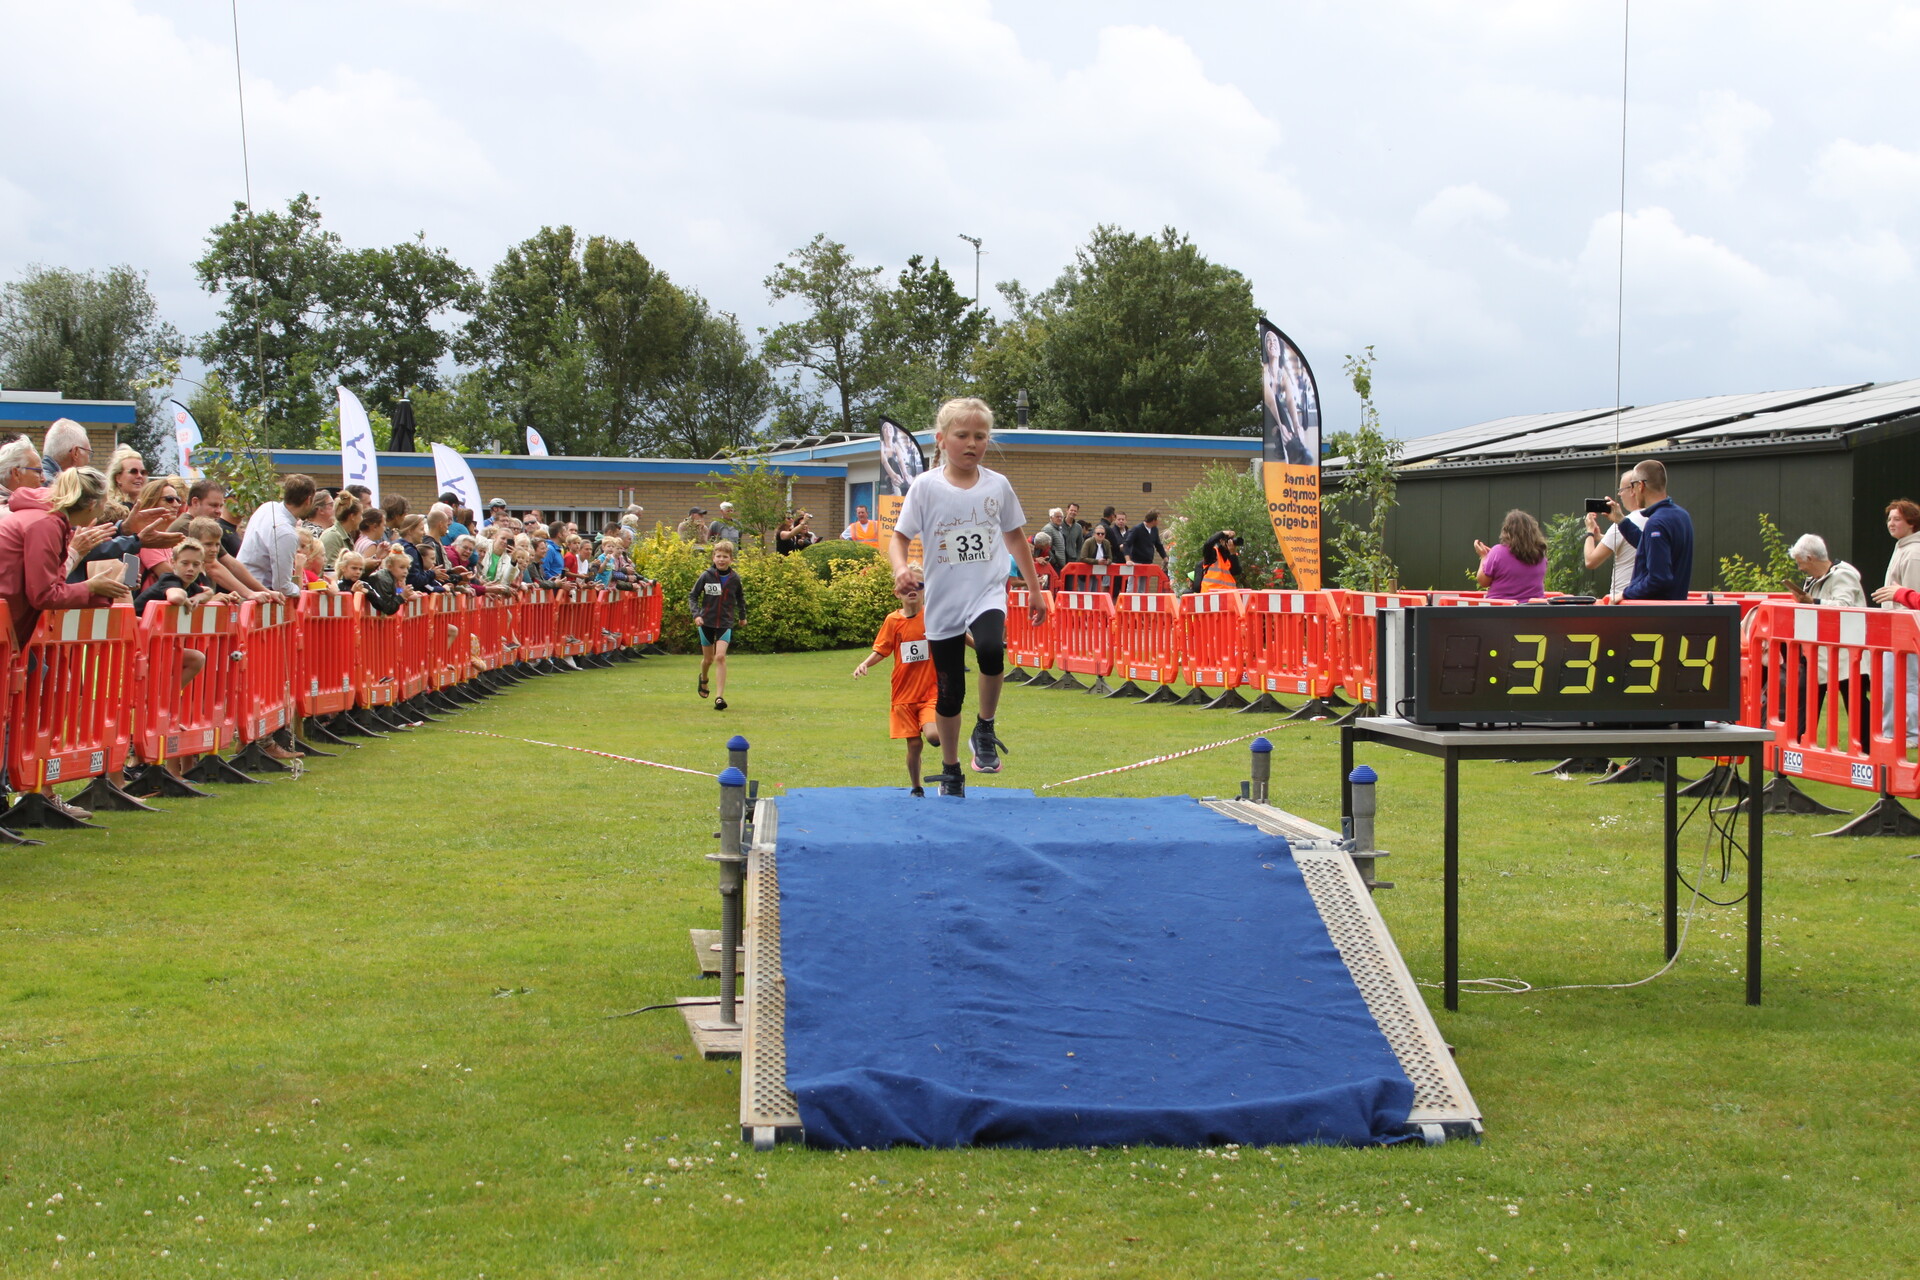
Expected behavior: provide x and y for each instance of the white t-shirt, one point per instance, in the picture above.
(267, 550)
(1623, 552)
(965, 554)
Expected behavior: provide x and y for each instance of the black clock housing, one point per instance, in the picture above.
(1631, 664)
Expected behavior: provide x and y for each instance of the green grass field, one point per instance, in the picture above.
(357, 1024)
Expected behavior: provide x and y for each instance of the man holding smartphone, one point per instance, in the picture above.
(1625, 506)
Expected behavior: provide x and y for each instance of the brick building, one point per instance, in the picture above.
(30, 413)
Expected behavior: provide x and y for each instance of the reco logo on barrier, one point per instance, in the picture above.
(1792, 762)
(1862, 775)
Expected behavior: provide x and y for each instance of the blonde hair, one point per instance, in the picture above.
(349, 560)
(77, 489)
(205, 529)
(722, 545)
(963, 407)
(118, 462)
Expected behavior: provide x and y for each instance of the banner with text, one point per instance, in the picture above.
(186, 438)
(1290, 467)
(452, 475)
(900, 463)
(357, 462)
(536, 447)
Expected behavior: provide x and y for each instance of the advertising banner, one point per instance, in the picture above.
(1290, 466)
(451, 474)
(186, 438)
(536, 447)
(900, 463)
(357, 462)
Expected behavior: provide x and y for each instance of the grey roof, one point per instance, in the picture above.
(1876, 403)
(1461, 439)
(1641, 426)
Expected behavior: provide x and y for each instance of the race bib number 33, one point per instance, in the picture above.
(970, 544)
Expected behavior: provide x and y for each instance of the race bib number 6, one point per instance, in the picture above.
(972, 544)
(914, 651)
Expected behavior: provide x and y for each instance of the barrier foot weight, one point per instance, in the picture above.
(14, 837)
(1782, 796)
(33, 809)
(1266, 702)
(321, 733)
(1885, 817)
(1335, 700)
(1313, 709)
(211, 768)
(154, 780)
(1100, 688)
(102, 796)
(1066, 681)
(1163, 694)
(350, 722)
(1721, 780)
(312, 752)
(1638, 769)
(1229, 700)
(1354, 712)
(1042, 680)
(1018, 675)
(441, 702)
(251, 758)
(389, 717)
(1196, 697)
(1127, 690)
(415, 709)
(1578, 764)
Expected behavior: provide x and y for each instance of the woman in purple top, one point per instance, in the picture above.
(1516, 569)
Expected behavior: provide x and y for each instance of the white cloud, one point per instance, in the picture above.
(1720, 138)
(1879, 178)
(1463, 205)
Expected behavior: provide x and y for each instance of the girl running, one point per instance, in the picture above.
(966, 517)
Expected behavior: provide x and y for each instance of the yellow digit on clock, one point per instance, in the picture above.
(1659, 643)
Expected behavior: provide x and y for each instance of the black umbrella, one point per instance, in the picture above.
(402, 441)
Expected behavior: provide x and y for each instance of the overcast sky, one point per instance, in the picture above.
(1437, 179)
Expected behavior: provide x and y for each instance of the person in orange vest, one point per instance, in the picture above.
(1219, 565)
(862, 529)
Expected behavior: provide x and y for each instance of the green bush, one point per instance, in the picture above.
(823, 555)
(1226, 498)
(1775, 572)
(674, 564)
(786, 605)
(858, 599)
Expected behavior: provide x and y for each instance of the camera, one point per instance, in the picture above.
(1597, 506)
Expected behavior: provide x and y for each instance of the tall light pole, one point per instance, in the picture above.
(975, 242)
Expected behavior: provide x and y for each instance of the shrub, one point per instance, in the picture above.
(822, 556)
(1776, 571)
(1567, 570)
(858, 600)
(786, 605)
(1226, 498)
(674, 563)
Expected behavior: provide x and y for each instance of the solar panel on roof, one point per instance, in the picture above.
(1873, 404)
(1455, 439)
(1652, 422)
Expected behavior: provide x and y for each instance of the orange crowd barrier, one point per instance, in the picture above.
(1355, 639)
(1214, 639)
(1293, 641)
(536, 625)
(380, 668)
(1028, 645)
(175, 717)
(269, 638)
(73, 703)
(1835, 685)
(1082, 624)
(329, 652)
(1146, 636)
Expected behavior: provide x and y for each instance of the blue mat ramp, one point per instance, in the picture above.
(1009, 970)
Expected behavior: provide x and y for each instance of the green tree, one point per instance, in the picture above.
(234, 449)
(458, 414)
(1567, 570)
(758, 494)
(1229, 498)
(1356, 512)
(835, 367)
(1776, 570)
(928, 332)
(1140, 333)
(90, 336)
(714, 397)
(391, 301)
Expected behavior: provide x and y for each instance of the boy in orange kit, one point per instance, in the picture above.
(904, 636)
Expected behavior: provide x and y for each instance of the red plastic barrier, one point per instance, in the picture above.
(1142, 577)
(380, 667)
(325, 678)
(610, 609)
(172, 720)
(1028, 645)
(1083, 631)
(269, 642)
(1462, 597)
(537, 625)
(416, 646)
(1146, 636)
(450, 644)
(651, 611)
(573, 621)
(1797, 659)
(73, 697)
(1293, 636)
(1214, 639)
(1355, 639)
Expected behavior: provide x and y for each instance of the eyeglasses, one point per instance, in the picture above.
(171, 499)
(134, 471)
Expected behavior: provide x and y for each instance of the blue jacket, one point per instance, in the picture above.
(1663, 563)
(553, 564)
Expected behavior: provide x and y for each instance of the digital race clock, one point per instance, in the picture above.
(1635, 664)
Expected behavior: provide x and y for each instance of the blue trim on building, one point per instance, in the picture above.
(1033, 438)
(50, 411)
(294, 459)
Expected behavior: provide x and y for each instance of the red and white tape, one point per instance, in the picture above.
(1190, 751)
(585, 751)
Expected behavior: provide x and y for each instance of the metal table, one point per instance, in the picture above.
(1455, 745)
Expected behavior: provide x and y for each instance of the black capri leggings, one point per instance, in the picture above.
(950, 659)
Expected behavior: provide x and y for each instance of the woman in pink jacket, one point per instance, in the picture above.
(34, 539)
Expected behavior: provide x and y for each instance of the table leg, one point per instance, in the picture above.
(1672, 873)
(1756, 832)
(1450, 873)
(1346, 772)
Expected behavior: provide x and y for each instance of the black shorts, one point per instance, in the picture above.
(710, 636)
(989, 632)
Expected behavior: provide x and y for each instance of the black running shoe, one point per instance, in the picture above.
(952, 781)
(917, 791)
(719, 704)
(986, 748)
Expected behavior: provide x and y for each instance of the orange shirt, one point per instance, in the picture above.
(906, 639)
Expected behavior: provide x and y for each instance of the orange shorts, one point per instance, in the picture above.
(909, 718)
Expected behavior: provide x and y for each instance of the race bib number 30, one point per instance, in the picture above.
(714, 588)
(914, 651)
(970, 544)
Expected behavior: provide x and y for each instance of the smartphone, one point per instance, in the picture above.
(1597, 506)
(130, 571)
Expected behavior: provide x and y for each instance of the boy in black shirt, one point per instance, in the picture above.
(718, 604)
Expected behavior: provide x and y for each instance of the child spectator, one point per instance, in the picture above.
(718, 604)
(904, 636)
(373, 529)
(386, 586)
(309, 564)
(348, 570)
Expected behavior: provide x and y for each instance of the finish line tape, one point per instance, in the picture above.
(1190, 751)
(585, 751)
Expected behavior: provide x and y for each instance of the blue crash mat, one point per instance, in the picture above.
(1010, 970)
